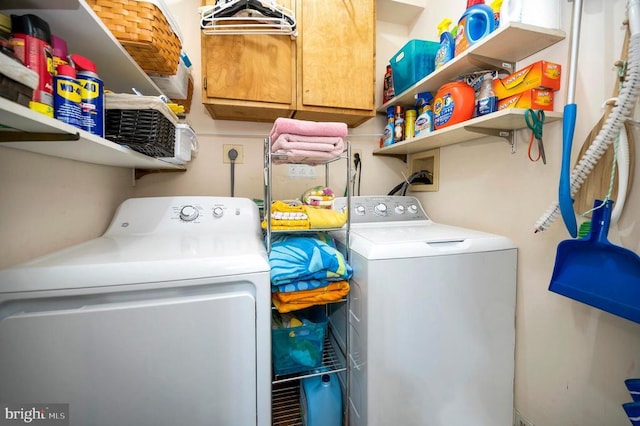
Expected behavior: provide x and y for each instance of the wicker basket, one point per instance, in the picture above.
(143, 31)
(147, 131)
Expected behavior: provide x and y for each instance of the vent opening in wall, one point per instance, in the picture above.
(427, 160)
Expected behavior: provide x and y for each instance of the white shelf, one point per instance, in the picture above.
(82, 145)
(402, 12)
(85, 34)
(506, 120)
(502, 48)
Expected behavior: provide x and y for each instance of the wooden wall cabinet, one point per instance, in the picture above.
(326, 73)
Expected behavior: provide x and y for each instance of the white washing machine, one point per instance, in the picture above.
(432, 319)
(164, 320)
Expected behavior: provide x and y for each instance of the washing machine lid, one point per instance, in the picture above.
(420, 239)
(151, 240)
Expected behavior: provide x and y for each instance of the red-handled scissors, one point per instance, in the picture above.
(535, 121)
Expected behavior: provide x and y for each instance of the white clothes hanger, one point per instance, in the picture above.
(247, 17)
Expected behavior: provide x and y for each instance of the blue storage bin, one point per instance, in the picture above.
(412, 63)
(300, 348)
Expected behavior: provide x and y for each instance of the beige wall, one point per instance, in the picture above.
(571, 360)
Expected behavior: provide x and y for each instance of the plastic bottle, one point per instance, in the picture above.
(409, 123)
(387, 89)
(387, 134)
(398, 134)
(321, 401)
(475, 23)
(447, 48)
(487, 99)
(496, 5)
(454, 103)
(424, 119)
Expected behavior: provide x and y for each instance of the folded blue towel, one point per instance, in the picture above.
(306, 262)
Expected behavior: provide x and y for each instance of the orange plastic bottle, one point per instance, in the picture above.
(454, 103)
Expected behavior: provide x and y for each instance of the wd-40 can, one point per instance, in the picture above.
(92, 94)
(67, 96)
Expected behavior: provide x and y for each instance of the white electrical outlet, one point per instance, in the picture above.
(301, 171)
(521, 421)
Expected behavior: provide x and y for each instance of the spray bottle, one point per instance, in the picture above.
(424, 120)
(447, 44)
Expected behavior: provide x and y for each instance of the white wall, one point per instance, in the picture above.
(571, 360)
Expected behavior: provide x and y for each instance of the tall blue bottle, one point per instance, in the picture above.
(321, 401)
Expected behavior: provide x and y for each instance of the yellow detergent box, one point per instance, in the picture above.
(533, 98)
(539, 75)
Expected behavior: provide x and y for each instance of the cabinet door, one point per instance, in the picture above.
(248, 77)
(336, 55)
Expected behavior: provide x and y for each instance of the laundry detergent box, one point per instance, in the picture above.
(532, 98)
(539, 75)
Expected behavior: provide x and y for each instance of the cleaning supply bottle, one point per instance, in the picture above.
(487, 100)
(409, 123)
(321, 401)
(424, 119)
(387, 86)
(476, 23)
(447, 43)
(496, 5)
(398, 135)
(387, 134)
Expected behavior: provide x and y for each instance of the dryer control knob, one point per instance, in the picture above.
(380, 209)
(360, 210)
(399, 209)
(413, 208)
(188, 213)
(218, 212)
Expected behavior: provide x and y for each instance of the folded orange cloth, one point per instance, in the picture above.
(294, 300)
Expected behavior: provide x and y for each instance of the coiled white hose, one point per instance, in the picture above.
(622, 111)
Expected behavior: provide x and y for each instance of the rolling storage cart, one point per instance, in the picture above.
(286, 409)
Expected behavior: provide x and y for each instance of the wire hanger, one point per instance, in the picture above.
(230, 17)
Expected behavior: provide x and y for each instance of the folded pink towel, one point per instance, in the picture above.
(307, 128)
(312, 158)
(309, 143)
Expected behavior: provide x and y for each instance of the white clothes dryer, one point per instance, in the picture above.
(431, 321)
(163, 320)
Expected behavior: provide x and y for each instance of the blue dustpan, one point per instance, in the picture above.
(591, 270)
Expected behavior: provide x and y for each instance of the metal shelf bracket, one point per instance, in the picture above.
(508, 135)
(9, 136)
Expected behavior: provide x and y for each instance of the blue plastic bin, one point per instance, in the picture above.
(412, 63)
(300, 348)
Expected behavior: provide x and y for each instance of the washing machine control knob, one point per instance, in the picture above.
(399, 209)
(218, 212)
(380, 209)
(413, 208)
(360, 210)
(188, 213)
